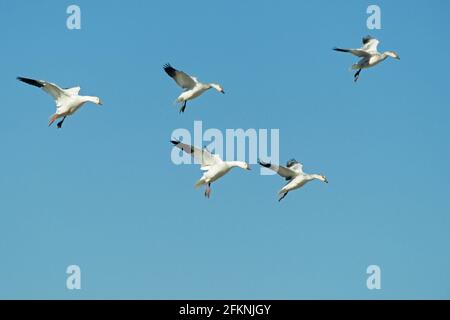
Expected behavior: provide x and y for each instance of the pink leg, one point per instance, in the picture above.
(52, 119)
(208, 191)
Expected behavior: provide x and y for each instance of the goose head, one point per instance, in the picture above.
(98, 101)
(245, 166)
(218, 87)
(95, 100)
(322, 178)
(392, 54)
(240, 164)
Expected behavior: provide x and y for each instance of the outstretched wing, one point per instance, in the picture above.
(356, 52)
(182, 79)
(369, 47)
(285, 172)
(204, 157)
(52, 89)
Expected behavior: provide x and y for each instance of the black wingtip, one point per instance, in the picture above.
(30, 82)
(264, 164)
(171, 71)
(367, 38)
(291, 162)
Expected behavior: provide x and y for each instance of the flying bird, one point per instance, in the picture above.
(369, 55)
(212, 165)
(67, 100)
(192, 87)
(293, 173)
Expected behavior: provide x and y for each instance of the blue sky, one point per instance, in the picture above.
(102, 193)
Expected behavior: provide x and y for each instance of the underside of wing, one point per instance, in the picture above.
(55, 91)
(285, 172)
(182, 79)
(204, 157)
(356, 52)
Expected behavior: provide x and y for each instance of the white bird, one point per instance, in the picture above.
(67, 100)
(369, 55)
(212, 164)
(192, 87)
(293, 172)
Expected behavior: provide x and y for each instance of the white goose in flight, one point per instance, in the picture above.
(293, 172)
(369, 55)
(192, 87)
(67, 100)
(212, 164)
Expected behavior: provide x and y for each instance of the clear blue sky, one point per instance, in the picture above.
(102, 193)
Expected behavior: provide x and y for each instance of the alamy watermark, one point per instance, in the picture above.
(374, 279)
(73, 21)
(236, 144)
(73, 281)
(374, 20)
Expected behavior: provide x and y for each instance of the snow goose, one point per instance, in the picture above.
(293, 173)
(212, 164)
(369, 55)
(67, 100)
(192, 87)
